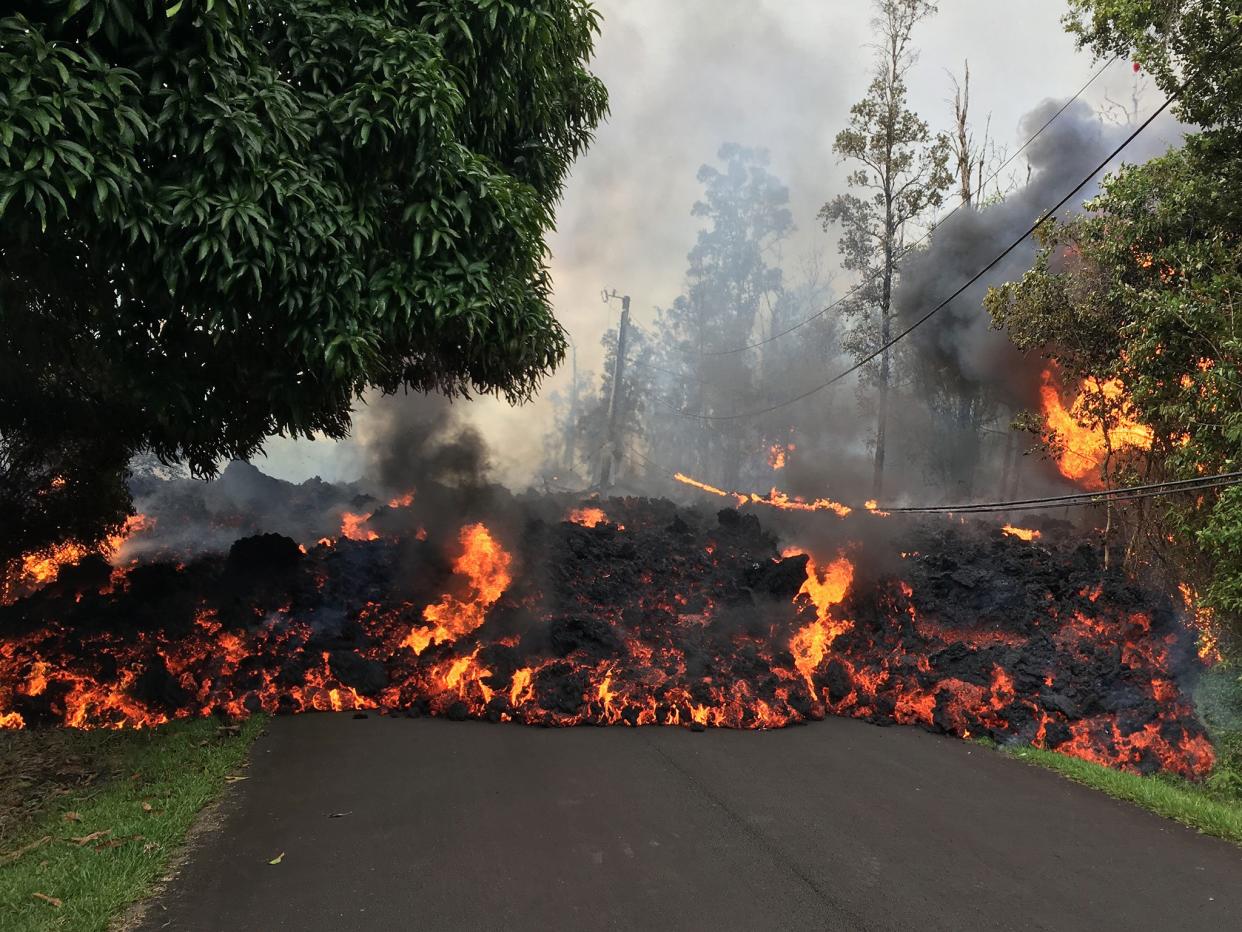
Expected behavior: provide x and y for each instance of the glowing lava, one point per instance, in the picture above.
(587, 516)
(354, 527)
(697, 623)
(41, 567)
(486, 565)
(1022, 533)
(825, 588)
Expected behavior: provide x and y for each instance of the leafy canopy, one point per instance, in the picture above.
(1144, 287)
(221, 220)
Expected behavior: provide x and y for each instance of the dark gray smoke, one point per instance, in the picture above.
(411, 438)
(960, 338)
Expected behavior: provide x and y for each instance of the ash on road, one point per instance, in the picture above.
(392, 824)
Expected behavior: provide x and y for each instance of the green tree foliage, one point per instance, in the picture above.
(902, 173)
(1195, 41)
(221, 220)
(1144, 288)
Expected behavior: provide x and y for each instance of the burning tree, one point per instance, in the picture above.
(224, 220)
(1135, 302)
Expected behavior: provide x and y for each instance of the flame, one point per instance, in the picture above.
(1206, 623)
(587, 516)
(1086, 448)
(710, 489)
(1022, 533)
(774, 498)
(520, 688)
(778, 454)
(486, 565)
(352, 527)
(824, 589)
(402, 501)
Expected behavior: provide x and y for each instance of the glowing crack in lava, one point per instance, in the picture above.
(1022, 533)
(1086, 448)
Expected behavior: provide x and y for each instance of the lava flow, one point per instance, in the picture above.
(631, 612)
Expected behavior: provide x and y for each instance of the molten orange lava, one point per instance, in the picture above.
(587, 516)
(402, 501)
(486, 565)
(825, 588)
(1022, 533)
(39, 568)
(1087, 446)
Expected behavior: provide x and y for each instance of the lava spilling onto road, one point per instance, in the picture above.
(623, 611)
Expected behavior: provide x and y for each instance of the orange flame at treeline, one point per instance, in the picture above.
(774, 499)
(353, 524)
(1087, 446)
(778, 454)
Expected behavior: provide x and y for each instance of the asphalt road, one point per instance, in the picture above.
(837, 825)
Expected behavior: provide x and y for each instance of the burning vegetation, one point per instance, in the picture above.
(628, 612)
(1082, 443)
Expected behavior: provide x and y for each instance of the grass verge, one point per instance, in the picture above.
(1213, 806)
(74, 856)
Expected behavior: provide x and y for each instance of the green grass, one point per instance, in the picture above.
(1213, 806)
(142, 789)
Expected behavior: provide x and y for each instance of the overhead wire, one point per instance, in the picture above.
(945, 303)
(1070, 499)
(1100, 497)
(1075, 499)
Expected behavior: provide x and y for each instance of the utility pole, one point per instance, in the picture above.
(611, 460)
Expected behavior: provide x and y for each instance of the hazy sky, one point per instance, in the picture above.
(685, 76)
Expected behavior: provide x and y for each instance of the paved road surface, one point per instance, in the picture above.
(838, 825)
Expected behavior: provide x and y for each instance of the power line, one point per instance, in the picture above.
(1068, 500)
(1102, 496)
(1125, 493)
(974, 278)
(962, 203)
